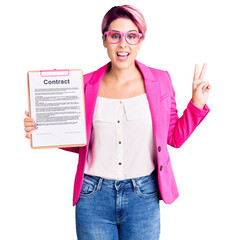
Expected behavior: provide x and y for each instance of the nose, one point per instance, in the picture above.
(123, 42)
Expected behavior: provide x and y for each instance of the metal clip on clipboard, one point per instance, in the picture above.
(51, 73)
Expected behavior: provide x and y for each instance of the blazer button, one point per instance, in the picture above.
(161, 168)
(159, 149)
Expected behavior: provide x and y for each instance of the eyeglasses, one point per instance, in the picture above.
(132, 38)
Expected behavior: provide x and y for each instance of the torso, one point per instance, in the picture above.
(132, 88)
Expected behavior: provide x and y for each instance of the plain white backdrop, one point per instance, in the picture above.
(36, 186)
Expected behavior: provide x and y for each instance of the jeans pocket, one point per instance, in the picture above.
(88, 187)
(148, 189)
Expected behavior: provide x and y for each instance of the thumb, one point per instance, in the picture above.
(27, 113)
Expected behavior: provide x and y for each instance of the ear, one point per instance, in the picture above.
(140, 43)
(104, 41)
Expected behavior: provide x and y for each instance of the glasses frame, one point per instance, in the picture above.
(123, 35)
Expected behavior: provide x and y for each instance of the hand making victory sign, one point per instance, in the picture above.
(200, 88)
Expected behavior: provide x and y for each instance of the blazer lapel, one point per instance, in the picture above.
(91, 93)
(152, 92)
(153, 95)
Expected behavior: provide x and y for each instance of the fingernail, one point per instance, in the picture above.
(36, 127)
(36, 124)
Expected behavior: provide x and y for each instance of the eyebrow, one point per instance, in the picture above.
(128, 31)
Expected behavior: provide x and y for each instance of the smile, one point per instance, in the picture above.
(122, 56)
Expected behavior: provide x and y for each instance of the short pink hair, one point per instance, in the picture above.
(124, 11)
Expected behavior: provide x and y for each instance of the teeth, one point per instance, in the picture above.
(122, 54)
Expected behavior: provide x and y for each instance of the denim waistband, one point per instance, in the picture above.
(115, 183)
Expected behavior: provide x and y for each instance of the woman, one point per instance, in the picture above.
(131, 116)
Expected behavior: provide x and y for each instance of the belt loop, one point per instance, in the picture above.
(134, 184)
(99, 183)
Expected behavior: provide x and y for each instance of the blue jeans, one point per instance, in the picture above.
(118, 209)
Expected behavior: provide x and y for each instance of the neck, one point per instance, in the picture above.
(121, 76)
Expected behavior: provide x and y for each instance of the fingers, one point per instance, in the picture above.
(196, 72)
(26, 113)
(30, 125)
(204, 87)
(29, 130)
(28, 134)
(202, 74)
(29, 122)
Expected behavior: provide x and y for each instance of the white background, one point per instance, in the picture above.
(36, 185)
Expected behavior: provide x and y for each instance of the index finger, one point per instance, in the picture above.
(202, 74)
(196, 71)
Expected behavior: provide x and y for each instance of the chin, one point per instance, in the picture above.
(123, 65)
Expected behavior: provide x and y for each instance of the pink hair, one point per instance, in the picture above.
(124, 11)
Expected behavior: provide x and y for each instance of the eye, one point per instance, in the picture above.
(132, 36)
(115, 35)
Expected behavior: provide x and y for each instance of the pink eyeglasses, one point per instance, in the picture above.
(115, 37)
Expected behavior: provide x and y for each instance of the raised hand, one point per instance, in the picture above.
(200, 88)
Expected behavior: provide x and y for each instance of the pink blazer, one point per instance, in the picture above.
(168, 128)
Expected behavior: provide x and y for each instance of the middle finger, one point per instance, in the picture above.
(202, 74)
(30, 124)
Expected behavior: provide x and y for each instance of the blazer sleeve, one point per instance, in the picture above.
(86, 79)
(71, 149)
(181, 128)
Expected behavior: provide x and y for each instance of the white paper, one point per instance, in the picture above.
(57, 106)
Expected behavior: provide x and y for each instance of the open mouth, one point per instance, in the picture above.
(122, 56)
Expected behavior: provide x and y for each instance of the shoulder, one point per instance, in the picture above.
(162, 74)
(156, 74)
(88, 76)
(162, 77)
(91, 76)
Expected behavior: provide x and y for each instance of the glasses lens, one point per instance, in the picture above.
(114, 37)
(132, 38)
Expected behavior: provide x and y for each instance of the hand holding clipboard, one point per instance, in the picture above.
(56, 103)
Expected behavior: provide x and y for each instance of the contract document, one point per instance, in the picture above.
(56, 103)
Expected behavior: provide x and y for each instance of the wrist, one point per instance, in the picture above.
(198, 105)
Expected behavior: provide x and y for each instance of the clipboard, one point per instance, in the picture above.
(56, 102)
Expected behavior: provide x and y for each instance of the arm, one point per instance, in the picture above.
(181, 128)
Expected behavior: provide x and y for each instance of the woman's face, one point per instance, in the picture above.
(115, 50)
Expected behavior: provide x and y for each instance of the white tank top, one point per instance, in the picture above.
(122, 144)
